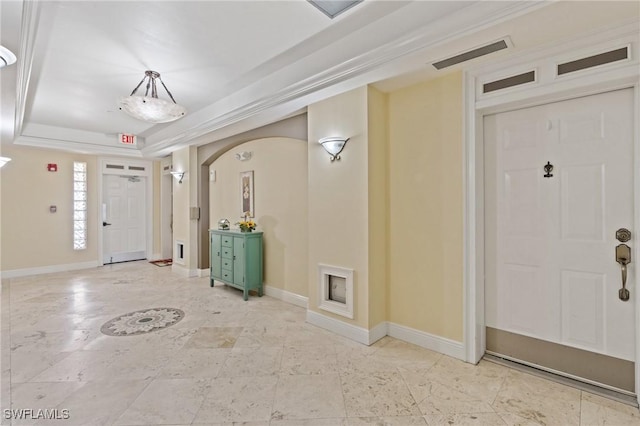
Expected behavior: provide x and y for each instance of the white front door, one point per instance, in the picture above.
(123, 218)
(551, 272)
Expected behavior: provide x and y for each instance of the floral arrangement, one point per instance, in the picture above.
(246, 225)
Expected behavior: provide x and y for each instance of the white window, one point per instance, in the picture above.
(79, 205)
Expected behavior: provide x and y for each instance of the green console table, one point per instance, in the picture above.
(236, 259)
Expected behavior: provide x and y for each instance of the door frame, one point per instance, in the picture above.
(547, 87)
(148, 174)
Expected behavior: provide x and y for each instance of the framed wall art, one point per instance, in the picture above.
(246, 194)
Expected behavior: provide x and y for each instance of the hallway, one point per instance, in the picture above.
(229, 361)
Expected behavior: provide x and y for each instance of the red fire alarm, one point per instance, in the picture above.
(52, 167)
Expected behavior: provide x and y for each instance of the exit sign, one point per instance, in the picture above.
(127, 139)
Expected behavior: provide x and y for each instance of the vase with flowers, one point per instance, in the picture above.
(246, 225)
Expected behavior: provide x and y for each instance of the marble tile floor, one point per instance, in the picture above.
(231, 362)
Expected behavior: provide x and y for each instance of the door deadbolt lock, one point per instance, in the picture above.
(623, 235)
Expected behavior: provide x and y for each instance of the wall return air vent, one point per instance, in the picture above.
(471, 54)
(594, 61)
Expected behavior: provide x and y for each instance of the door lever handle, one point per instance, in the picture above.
(105, 223)
(623, 257)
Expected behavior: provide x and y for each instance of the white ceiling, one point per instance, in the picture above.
(237, 65)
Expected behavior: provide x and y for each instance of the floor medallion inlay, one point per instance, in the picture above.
(140, 322)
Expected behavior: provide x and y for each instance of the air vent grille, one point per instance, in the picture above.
(471, 54)
(515, 80)
(594, 61)
(115, 166)
(139, 168)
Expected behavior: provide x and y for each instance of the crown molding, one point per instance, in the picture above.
(29, 29)
(467, 21)
(291, 85)
(77, 147)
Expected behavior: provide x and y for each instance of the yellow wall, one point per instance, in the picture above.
(425, 184)
(33, 237)
(378, 205)
(280, 185)
(338, 197)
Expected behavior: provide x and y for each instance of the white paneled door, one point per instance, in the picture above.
(551, 272)
(123, 218)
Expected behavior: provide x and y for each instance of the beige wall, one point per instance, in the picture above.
(280, 185)
(185, 195)
(425, 184)
(338, 197)
(33, 237)
(157, 175)
(378, 205)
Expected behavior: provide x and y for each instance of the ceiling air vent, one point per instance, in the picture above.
(594, 61)
(515, 80)
(471, 54)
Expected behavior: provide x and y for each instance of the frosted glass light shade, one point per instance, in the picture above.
(333, 145)
(6, 57)
(153, 110)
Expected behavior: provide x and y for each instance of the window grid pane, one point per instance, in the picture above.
(79, 205)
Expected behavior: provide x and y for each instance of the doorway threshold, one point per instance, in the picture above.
(605, 392)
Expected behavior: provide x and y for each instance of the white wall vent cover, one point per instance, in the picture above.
(335, 285)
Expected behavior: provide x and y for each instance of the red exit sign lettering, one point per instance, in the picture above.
(127, 139)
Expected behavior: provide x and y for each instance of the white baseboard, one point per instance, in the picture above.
(353, 332)
(154, 257)
(204, 272)
(368, 337)
(378, 332)
(14, 273)
(429, 341)
(286, 296)
(182, 271)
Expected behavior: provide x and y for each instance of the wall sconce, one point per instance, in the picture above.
(4, 160)
(333, 145)
(178, 176)
(244, 155)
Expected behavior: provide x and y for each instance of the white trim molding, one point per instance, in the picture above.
(286, 296)
(39, 270)
(350, 331)
(423, 339)
(547, 88)
(426, 340)
(325, 272)
(183, 272)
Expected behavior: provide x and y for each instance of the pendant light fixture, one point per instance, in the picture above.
(151, 108)
(6, 57)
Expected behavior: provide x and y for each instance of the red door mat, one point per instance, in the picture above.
(163, 262)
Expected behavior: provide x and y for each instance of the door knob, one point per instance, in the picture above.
(105, 223)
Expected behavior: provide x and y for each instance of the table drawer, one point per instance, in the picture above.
(227, 241)
(227, 252)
